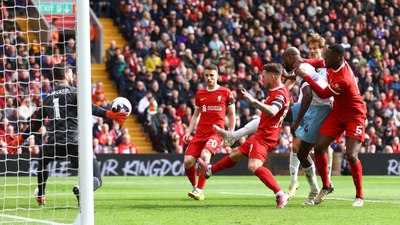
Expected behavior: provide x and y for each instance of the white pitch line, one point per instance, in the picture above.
(31, 220)
(339, 199)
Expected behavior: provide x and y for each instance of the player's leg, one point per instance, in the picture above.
(329, 153)
(192, 153)
(294, 162)
(224, 163)
(256, 167)
(256, 151)
(294, 165)
(190, 169)
(355, 130)
(321, 162)
(47, 156)
(205, 158)
(97, 180)
(309, 170)
(42, 175)
(353, 146)
(231, 137)
(331, 129)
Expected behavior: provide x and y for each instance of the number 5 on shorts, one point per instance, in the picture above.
(359, 130)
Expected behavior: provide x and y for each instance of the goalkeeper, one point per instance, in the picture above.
(59, 116)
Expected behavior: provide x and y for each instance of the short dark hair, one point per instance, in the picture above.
(59, 71)
(211, 67)
(275, 68)
(337, 48)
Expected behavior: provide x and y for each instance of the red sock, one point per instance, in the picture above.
(321, 162)
(266, 177)
(356, 172)
(202, 181)
(222, 164)
(191, 174)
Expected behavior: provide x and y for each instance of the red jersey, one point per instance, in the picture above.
(342, 83)
(270, 127)
(212, 105)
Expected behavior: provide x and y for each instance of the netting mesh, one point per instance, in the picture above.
(34, 37)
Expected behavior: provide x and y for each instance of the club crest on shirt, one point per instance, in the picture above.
(337, 86)
(219, 98)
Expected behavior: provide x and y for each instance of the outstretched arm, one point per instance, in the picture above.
(270, 110)
(321, 92)
(34, 124)
(120, 117)
(317, 63)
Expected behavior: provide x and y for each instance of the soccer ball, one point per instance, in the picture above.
(121, 104)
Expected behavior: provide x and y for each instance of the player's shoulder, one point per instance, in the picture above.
(307, 67)
(279, 91)
(201, 91)
(224, 89)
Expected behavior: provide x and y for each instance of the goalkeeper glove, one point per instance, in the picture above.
(13, 143)
(120, 117)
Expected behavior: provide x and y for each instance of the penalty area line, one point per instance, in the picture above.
(30, 219)
(339, 199)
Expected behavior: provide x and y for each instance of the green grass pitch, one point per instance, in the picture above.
(228, 200)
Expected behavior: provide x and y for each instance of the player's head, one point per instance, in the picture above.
(289, 57)
(315, 44)
(63, 73)
(211, 75)
(334, 56)
(271, 75)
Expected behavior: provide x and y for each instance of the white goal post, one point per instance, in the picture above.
(84, 112)
(26, 43)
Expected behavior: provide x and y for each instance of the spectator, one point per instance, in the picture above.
(152, 61)
(126, 146)
(262, 30)
(396, 145)
(97, 148)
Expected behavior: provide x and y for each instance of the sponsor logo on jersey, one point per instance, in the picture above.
(211, 108)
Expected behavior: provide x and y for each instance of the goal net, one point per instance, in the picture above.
(35, 35)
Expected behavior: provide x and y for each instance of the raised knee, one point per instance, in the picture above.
(188, 163)
(252, 168)
(352, 157)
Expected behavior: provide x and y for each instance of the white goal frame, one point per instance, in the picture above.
(84, 113)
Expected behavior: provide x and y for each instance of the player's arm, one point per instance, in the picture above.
(232, 116)
(317, 63)
(321, 92)
(192, 124)
(270, 110)
(304, 105)
(120, 117)
(33, 126)
(289, 84)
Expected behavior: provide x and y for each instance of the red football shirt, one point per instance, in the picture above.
(270, 127)
(342, 83)
(212, 105)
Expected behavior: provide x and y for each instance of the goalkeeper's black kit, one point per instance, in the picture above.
(59, 115)
(61, 112)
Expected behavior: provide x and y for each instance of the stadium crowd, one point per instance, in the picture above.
(170, 42)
